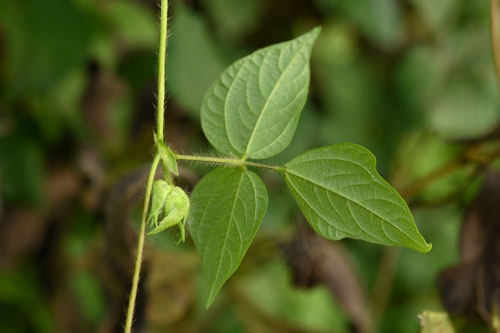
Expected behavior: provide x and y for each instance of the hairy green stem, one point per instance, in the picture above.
(235, 162)
(160, 109)
(162, 55)
(140, 245)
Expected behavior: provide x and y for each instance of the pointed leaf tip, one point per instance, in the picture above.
(167, 158)
(228, 206)
(341, 194)
(238, 115)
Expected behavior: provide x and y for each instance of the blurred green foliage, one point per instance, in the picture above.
(411, 80)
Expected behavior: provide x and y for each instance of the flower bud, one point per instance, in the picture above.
(170, 206)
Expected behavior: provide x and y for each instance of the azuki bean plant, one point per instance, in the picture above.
(250, 113)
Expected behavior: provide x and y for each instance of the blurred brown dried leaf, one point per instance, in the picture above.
(21, 233)
(170, 288)
(23, 229)
(103, 88)
(62, 186)
(314, 260)
(472, 287)
(90, 163)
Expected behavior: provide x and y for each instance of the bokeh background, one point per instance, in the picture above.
(412, 80)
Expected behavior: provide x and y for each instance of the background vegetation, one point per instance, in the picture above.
(412, 80)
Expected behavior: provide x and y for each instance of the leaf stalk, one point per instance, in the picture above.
(228, 161)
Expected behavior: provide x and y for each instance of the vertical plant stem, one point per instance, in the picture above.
(160, 109)
(140, 246)
(162, 55)
(495, 38)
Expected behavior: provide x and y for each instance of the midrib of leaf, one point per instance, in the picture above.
(226, 126)
(348, 199)
(270, 97)
(285, 130)
(336, 159)
(211, 295)
(317, 213)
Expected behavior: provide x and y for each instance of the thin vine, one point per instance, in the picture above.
(160, 109)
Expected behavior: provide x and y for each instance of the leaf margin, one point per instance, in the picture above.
(421, 244)
(258, 185)
(223, 142)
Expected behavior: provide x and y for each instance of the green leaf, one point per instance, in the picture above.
(35, 60)
(380, 20)
(22, 162)
(134, 23)
(233, 20)
(341, 194)
(167, 157)
(466, 109)
(228, 208)
(253, 108)
(193, 59)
